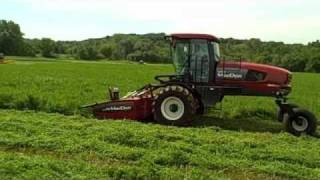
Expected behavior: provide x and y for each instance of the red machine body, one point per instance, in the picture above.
(254, 79)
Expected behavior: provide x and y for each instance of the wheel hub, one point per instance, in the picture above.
(300, 124)
(172, 108)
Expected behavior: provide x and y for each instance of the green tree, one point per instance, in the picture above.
(126, 47)
(106, 50)
(88, 52)
(11, 38)
(27, 49)
(82, 53)
(313, 65)
(47, 47)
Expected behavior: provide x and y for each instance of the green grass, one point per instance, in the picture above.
(40, 145)
(64, 86)
(243, 141)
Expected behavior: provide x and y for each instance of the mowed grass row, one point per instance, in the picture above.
(62, 86)
(49, 146)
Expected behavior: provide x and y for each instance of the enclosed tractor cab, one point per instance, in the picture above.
(201, 80)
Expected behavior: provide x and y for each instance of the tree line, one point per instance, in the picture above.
(154, 48)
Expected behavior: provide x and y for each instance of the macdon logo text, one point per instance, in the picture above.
(117, 108)
(231, 75)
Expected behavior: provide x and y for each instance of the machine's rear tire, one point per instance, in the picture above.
(174, 105)
(302, 121)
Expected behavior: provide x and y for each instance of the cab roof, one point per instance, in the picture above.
(194, 36)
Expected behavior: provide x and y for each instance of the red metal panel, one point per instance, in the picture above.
(134, 109)
(276, 78)
(194, 36)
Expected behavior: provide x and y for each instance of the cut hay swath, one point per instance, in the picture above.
(6, 61)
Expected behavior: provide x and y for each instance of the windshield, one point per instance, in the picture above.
(199, 57)
(216, 50)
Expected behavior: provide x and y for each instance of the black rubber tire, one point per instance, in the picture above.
(301, 113)
(179, 92)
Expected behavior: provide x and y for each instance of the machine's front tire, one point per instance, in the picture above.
(174, 105)
(302, 121)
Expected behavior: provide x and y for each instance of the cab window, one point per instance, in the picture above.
(199, 61)
(180, 57)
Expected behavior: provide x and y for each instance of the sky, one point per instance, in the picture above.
(290, 21)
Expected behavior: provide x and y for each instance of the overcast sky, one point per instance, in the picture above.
(291, 21)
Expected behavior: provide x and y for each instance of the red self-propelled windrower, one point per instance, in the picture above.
(201, 80)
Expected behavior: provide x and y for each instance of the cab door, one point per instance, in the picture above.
(199, 61)
(202, 71)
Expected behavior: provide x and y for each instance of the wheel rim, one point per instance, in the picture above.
(300, 124)
(172, 108)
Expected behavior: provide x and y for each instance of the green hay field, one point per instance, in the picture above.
(43, 136)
